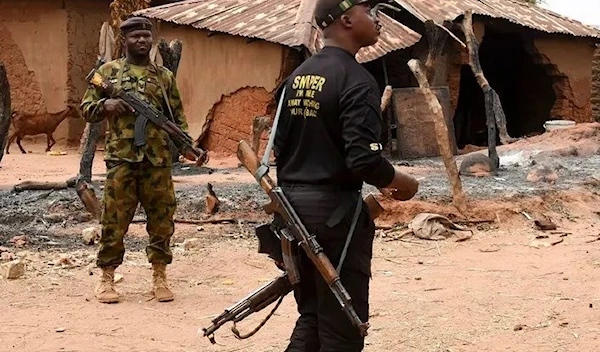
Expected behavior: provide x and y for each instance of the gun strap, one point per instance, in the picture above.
(264, 164)
(120, 75)
(163, 90)
(350, 232)
(239, 336)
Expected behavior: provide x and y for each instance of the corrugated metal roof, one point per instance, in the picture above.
(270, 20)
(512, 10)
(393, 36)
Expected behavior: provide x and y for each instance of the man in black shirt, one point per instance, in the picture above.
(327, 144)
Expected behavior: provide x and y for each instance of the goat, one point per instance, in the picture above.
(33, 124)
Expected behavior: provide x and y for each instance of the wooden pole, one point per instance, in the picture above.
(493, 107)
(437, 39)
(5, 112)
(171, 55)
(441, 132)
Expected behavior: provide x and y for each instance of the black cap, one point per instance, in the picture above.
(134, 24)
(327, 11)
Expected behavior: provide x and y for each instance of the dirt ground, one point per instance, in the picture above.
(510, 287)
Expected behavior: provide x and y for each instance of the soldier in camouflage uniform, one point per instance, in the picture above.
(136, 175)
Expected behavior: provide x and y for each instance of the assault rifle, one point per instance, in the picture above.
(145, 112)
(279, 244)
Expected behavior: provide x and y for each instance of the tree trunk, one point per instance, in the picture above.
(89, 141)
(441, 132)
(259, 125)
(89, 151)
(493, 107)
(171, 55)
(437, 39)
(5, 112)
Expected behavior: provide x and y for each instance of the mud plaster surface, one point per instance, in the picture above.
(232, 119)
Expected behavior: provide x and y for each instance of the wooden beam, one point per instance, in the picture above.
(5, 111)
(436, 38)
(441, 131)
(493, 107)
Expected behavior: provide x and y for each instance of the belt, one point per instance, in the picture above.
(317, 187)
(353, 200)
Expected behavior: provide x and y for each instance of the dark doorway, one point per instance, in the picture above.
(525, 90)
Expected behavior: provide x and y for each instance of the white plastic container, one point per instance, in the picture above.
(552, 125)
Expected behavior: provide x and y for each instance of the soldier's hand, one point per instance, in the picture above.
(117, 107)
(203, 159)
(403, 186)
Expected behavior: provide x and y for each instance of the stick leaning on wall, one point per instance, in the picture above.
(441, 132)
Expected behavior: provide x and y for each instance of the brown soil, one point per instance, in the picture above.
(502, 290)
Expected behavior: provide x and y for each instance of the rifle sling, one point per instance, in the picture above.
(160, 84)
(264, 164)
(340, 211)
(164, 91)
(350, 233)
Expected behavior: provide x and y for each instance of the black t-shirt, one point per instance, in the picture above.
(330, 125)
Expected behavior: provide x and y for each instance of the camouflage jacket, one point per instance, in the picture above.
(119, 141)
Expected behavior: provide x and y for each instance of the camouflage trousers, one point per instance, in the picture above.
(127, 185)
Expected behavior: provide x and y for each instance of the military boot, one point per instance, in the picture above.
(105, 291)
(159, 283)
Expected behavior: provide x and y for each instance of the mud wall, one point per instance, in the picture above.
(33, 47)
(572, 61)
(595, 100)
(85, 18)
(224, 68)
(232, 119)
(48, 46)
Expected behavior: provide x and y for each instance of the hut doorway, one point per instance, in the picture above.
(524, 87)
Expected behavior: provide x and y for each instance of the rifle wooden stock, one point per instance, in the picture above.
(375, 209)
(313, 250)
(250, 161)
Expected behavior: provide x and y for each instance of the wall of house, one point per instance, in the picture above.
(48, 46)
(225, 80)
(595, 100)
(570, 60)
(85, 18)
(33, 47)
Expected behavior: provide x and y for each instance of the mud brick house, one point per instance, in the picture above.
(48, 47)
(540, 63)
(236, 52)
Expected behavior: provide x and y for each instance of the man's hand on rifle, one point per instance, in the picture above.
(189, 155)
(117, 107)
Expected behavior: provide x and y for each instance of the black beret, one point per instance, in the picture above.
(134, 24)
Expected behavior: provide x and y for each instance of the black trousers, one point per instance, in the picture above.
(322, 325)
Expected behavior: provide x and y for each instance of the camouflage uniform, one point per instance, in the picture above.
(136, 174)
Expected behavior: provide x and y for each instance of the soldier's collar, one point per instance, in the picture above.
(151, 67)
